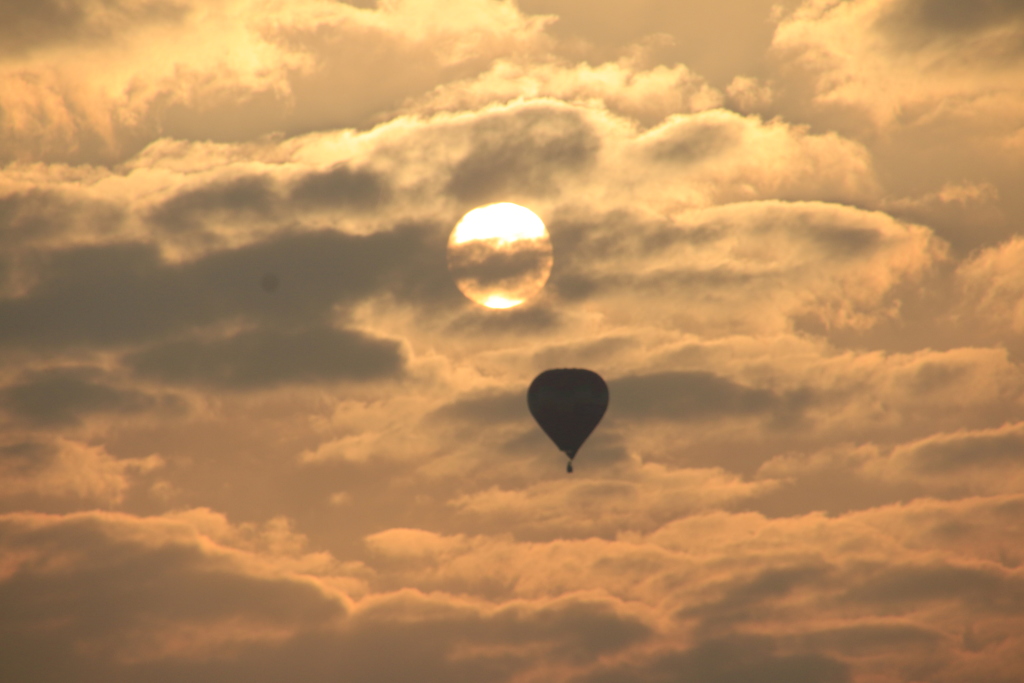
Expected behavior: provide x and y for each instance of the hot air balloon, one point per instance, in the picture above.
(567, 404)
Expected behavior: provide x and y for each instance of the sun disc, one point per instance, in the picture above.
(500, 255)
(504, 221)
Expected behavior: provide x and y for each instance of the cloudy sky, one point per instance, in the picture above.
(250, 429)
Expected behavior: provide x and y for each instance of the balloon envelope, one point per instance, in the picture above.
(568, 404)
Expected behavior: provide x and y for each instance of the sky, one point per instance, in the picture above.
(251, 430)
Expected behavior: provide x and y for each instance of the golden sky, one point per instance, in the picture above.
(250, 429)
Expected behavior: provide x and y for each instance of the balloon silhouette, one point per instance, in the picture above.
(568, 404)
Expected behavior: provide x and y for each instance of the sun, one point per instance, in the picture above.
(500, 255)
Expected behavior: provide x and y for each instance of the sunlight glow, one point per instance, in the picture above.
(497, 301)
(504, 221)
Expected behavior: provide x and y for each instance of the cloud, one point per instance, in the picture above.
(907, 398)
(764, 258)
(30, 28)
(256, 198)
(62, 468)
(203, 222)
(624, 87)
(505, 407)
(263, 359)
(864, 639)
(536, 148)
(675, 400)
(877, 591)
(936, 19)
(791, 406)
(749, 94)
(247, 600)
(229, 69)
(144, 590)
(631, 496)
(717, 563)
(684, 396)
(174, 601)
(730, 157)
(124, 293)
(243, 198)
(521, 151)
(62, 396)
(718, 41)
(749, 658)
(750, 595)
(41, 217)
(903, 76)
(517, 269)
(540, 151)
(986, 460)
(340, 186)
(964, 214)
(871, 54)
(691, 141)
(993, 286)
(927, 387)
(796, 271)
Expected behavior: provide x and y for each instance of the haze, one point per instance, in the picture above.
(250, 429)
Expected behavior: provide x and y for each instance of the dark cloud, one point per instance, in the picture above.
(505, 407)
(749, 598)
(592, 628)
(174, 579)
(966, 224)
(963, 452)
(984, 588)
(739, 659)
(266, 358)
(950, 17)
(691, 140)
(400, 640)
(841, 242)
(340, 187)
(936, 376)
(871, 639)
(322, 269)
(485, 266)
(61, 396)
(35, 215)
(579, 244)
(270, 282)
(135, 586)
(526, 319)
(717, 40)
(111, 590)
(687, 396)
(522, 151)
(600, 255)
(397, 645)
(590, 352)
(241, 198)
(125, 293)
(31, 25)
(99, 295)
(26, 457)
